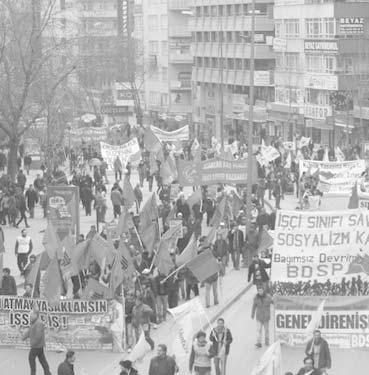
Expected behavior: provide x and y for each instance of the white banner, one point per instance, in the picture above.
(182, 134)
(303, 142)
(269, 153)
(336, 177)
(130, 151)
(320, 245)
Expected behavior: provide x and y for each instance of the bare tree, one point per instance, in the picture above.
(31, 72)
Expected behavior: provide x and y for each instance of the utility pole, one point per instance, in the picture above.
(251, 118)
(221, 85)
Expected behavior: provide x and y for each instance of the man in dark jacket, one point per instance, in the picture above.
(258, 273)
(127, 369)
(67, 367)
(22, 207)
(162, 364)
(9, 287)
(318, 349)
(32, 200)
(261, 311)
(309, 368)
(36, 335)
(221, 339)
(236, 244)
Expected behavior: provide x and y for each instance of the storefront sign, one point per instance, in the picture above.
(320, 245)
(213, 171)
(63, 209)
(321, 81)
(351, 25)
(130, 151)
(318, 112)
(344, 324)
(76, 324)
(321, 46)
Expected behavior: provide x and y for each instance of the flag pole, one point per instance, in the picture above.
(174, 272)
(124, 337)
(138, 236)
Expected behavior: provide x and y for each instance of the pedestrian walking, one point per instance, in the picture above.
(126, 368)
(32, 200)
(36, 335)
(22, 208)
(118, 169)
(201, 355)
(162, 364)
(27, 161)
(8, 286)
(318, 349)
(139, 196)
(257, 271)
(27, 272)
(261, 310)
(67, 366)
(117, 200)
(309, 368)
(23, 247)
(21, 179)
(221, 339)
(141, 316)
(211, 283)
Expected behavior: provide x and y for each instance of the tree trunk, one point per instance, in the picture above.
(12, 158)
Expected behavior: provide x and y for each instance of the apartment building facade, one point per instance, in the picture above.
(322, 64)
(221, 72)
(168, 60)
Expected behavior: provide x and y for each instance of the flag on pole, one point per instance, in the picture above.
(51, 242)
(53, 282)
(150, 236)
(125, 222)
(203, 265)
(98, 249)
(79, 256)
(166, 173)
(128, 193)
(151, 141)
(237, 204)
(163, 260)
(354, 198)
(141, 348)
(149, 212)
(188, 253)
(340, 156)
(315, 320)
(219, 213)
(270, 362)
(66, 264)
(1, 269)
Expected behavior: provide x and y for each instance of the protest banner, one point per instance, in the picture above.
(178, 224)
(269, 153)
(344, 323)
(112, 230)
(89, 135)
(336, 177)
(63, 209)
(182, 134)
(327, 246)
(303, 142)
(213, 171)
(72, 324)
(130, 151)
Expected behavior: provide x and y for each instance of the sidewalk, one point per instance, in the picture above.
(234, 285)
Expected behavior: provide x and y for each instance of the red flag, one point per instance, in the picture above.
(219, 213)
(123, 268)
(53, 282)
(149, 212)
(51, 242)
(150, 236)
(203, 265)
(354, 198)
(151, 141)
(128, 193)
(98, 249)
(172, 214)
(79, 256)
(1, 269)
(125, 222)
(188, 253)
(237, 204)
(163, 260)
(66, 265)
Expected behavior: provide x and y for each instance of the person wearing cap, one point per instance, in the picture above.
(126, 368)
(67, 366)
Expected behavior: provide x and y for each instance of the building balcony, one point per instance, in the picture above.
(233, 50)
(180, 58)
(262, 78)
(180, 85)
(180, 108)
(179, 32)
(179, 4)
(231, 23)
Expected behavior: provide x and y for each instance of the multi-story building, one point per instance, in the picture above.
(221, 73)
(322, 58)
(168, 60)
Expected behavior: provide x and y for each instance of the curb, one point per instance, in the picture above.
(228, 305)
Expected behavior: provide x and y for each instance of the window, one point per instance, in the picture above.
(198, 11)
(279, 61)
(320, 28)
(320, 63)
(199, 36)
(291, 62)
(214, 62)
(153, 22)
(229, 37)
(278, 27)
(207, 62)
(213, 11)
(213, 36)
(206, 11)
(288, 95)
(239, 64)
(206, 36)
(199, 62)
(153, 47)
(221, 10)
(163, 21)
(346, 65)
(319, 97)
(229, 10)
(292, 28)
(164, 99)
(164, 48)
(230, 64)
